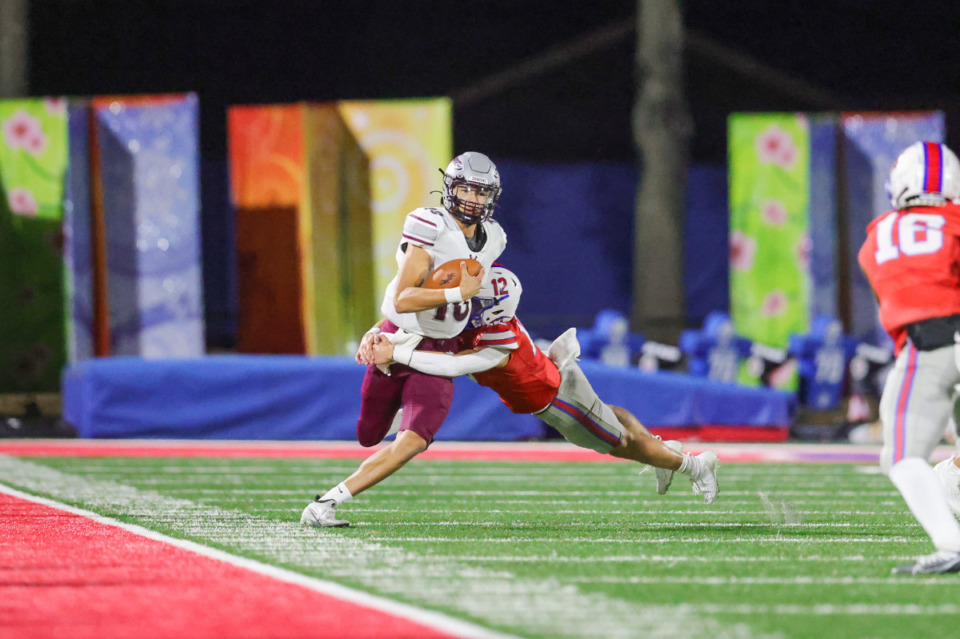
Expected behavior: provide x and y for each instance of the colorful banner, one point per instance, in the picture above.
(872, 142)
(78, 238)
(33, 161)
(406, 141)
(297, 171)
(149, 169)
(266, 155)
(337, 231)
(769, 226)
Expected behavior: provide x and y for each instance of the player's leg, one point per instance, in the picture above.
(639, 445)
(948, 471)
(426, 403)
(385, 462)
(381, 396)
(585, 420)
(374, 469)
(666, 457)
(914, 409)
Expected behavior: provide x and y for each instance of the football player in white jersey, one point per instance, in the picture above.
(461, 228)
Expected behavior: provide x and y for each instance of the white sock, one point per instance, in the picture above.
(339, 494)
(689, 464)
(921, 489)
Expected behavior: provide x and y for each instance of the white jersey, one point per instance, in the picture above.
(437, 232)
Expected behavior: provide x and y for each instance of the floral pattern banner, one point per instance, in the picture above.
(33, 156)
(33, 160)
(770, 243)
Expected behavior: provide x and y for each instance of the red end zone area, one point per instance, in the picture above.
(104, 581)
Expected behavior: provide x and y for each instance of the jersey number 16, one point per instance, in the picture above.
(917, 234)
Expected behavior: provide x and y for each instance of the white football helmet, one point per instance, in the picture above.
(925, 174)
(498, 298)
(477, 170)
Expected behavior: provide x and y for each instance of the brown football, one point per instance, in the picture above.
(447, 274)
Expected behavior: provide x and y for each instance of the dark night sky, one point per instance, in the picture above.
(871, 56)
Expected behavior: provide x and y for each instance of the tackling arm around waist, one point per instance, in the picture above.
(466, 363)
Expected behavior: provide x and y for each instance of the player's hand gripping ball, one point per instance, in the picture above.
(447, 275)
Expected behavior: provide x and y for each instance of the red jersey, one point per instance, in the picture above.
(529, 381)
(912, 259)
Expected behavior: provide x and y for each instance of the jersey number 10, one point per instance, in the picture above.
(917, 234)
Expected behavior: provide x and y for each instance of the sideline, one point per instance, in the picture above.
(737, 453)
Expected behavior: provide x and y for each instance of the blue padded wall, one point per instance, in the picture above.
(296, 397)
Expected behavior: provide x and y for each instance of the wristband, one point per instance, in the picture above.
(373, 331)
(453, 294)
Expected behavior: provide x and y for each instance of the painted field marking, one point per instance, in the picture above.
(542, 606)
(815, 609)
(487, 451)
(880, 539)
(332, 607)
(819, 580)
(671, 559)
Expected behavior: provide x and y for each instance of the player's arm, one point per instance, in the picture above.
(442, 364)
(411, 297)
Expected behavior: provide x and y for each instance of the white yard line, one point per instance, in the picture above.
(619, 525)
(548, 606)
(651, 540)
(908, 582)
(809, 610)
(693, 512)
(672, 559)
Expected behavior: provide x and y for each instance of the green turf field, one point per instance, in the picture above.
(550, 549)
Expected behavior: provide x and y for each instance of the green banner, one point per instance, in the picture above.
(33, 162)
(770, 245)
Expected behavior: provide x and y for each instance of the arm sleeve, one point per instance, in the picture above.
(446, 365)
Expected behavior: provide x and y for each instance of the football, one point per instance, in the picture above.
(447, 275)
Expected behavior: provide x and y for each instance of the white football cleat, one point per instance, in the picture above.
(949, 476)
(937, 563)
(320, 513)
(704, 479)
(665, 475)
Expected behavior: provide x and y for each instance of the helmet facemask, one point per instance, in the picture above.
(471, 188)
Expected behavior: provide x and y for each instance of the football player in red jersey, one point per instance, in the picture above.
(912, 258)
(498, 353)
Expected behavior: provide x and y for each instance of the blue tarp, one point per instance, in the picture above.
(318, 398)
